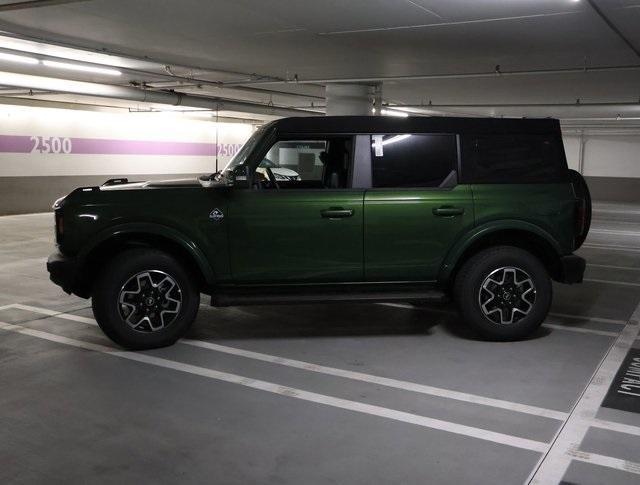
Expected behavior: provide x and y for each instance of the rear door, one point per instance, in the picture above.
(415, 209)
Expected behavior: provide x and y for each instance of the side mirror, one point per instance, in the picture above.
(242, 177)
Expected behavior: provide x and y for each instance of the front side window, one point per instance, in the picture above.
(407, 160)
(313, 163)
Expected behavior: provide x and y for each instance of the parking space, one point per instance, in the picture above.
(355, 393)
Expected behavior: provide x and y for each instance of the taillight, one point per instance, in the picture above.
(59, 226)
(581, 217)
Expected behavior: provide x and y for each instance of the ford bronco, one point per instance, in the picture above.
(328, 209)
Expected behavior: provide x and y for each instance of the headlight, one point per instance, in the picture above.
(56, 205)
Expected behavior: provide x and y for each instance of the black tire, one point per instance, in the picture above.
(498, 260)
(125, 269)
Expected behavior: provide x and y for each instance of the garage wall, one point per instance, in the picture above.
(611, 165)
(46, 152)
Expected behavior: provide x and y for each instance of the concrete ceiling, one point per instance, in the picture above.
(242, 42)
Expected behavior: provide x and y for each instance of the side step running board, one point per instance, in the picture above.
(243, 297)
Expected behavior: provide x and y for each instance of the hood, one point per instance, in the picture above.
(171, 183)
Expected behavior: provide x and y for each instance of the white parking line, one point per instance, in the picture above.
(588, 319)
(308, 366)
(383, 381)
(30, 214)
(615, 211)
(369, 409)
(608, 461)
(54, 313)
(618, 427)
(91, 321)
(614, 232)
(555, 326)
(612, 248)
(580, 330)
(610, 282)
(21, 262)
(553, 466)
(597, 222)
(609, 266)
(388, 382)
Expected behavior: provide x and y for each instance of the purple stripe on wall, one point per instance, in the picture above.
(133, 147)
(15, 144)
(87, 146)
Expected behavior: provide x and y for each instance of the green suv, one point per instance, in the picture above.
(371, 209)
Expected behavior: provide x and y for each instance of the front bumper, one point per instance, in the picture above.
(63, 271)
(572, 269)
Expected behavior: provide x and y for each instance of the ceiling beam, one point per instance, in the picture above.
(172, 98)
(35, 3)
(613, 27)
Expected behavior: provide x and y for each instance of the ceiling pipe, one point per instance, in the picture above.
(27, 81)
(192, 84)
(188, 81)
(618, 119)
(519, 105)
(416, 77)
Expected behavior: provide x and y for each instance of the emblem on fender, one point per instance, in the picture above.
(216, 215)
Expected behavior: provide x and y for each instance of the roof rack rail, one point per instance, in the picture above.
(117, 181)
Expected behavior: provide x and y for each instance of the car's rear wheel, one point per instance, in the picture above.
(503, 292)
(145, 299)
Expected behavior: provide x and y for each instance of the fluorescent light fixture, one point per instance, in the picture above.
(389, 112)
(15, 58)
(395, 139)
(79, 67)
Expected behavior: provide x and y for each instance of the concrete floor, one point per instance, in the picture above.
(356, 394)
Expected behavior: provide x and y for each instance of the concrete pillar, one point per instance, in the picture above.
(349, 99)
(377, 99)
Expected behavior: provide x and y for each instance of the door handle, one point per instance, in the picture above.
(448, 211)
(336, 213)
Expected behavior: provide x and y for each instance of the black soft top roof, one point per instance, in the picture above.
(415, 124)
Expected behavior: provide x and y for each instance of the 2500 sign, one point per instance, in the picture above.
(51, 144)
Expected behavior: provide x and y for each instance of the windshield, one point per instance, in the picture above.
(241, 157)
(266, 163)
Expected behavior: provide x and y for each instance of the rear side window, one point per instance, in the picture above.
(514, 159)
(408, 160)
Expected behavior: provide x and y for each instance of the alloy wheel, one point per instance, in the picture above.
(507, 295)
(150, 301)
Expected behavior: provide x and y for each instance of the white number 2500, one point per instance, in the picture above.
(51, 144)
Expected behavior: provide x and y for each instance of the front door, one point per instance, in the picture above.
(415, 211)
(300, 223)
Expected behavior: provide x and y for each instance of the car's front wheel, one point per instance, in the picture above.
(504, 292)
(144, 299)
